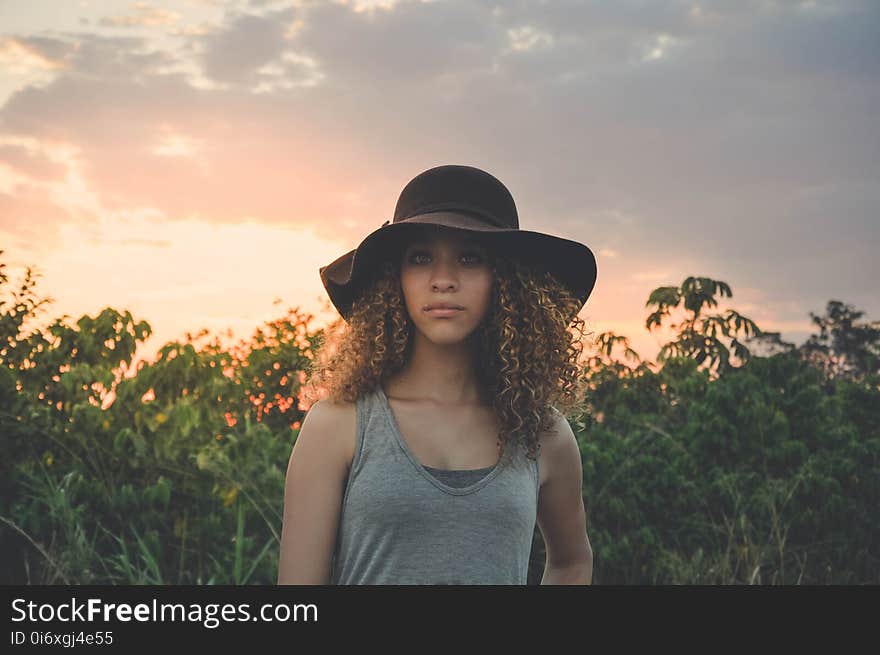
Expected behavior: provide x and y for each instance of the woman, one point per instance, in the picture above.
(441, 444)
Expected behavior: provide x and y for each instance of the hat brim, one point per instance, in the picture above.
(571, 262)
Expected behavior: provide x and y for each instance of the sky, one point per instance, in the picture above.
(196, 162)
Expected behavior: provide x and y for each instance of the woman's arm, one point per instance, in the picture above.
(580, 575)
(316, 477)
(561, 516)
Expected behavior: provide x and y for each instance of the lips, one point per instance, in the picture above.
(441, 312)
(443, 309)
(442, 305)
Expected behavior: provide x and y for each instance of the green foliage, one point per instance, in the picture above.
(173, 473)
(698, 336)
(844, 348)
(768, 473)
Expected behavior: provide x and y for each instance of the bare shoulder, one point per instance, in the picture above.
(558, 444)
(336, 420)
(313, 493)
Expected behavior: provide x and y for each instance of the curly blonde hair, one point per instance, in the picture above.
(526, 359)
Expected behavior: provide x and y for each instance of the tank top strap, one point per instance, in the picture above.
(373, 440)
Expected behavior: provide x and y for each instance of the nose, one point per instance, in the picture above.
(444, 274)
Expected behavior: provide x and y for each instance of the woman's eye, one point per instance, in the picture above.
(473, 258)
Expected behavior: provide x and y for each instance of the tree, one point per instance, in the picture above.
(698, 336)
(843, 348)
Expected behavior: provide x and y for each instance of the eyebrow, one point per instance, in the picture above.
(423, 243)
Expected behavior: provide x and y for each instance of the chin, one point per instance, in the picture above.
(446, 336)
(450, 341)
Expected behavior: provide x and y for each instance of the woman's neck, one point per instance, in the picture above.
(443, 374)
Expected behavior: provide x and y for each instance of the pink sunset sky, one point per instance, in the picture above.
(194, 161)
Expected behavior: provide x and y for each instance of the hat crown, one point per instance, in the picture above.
(457, 188)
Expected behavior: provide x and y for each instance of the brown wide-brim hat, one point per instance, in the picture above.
(460, 198)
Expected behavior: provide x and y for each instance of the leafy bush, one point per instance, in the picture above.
(698, 471)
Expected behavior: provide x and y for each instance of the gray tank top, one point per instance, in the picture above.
(403, 523)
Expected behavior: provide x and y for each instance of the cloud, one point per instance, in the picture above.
(30, 216)
(27, 55)
(143, 15)
(41, 188)
(20, 162)
(738, 130)
(415, 43)
(236, 51)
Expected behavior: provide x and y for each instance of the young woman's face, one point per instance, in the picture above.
(449, 268)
